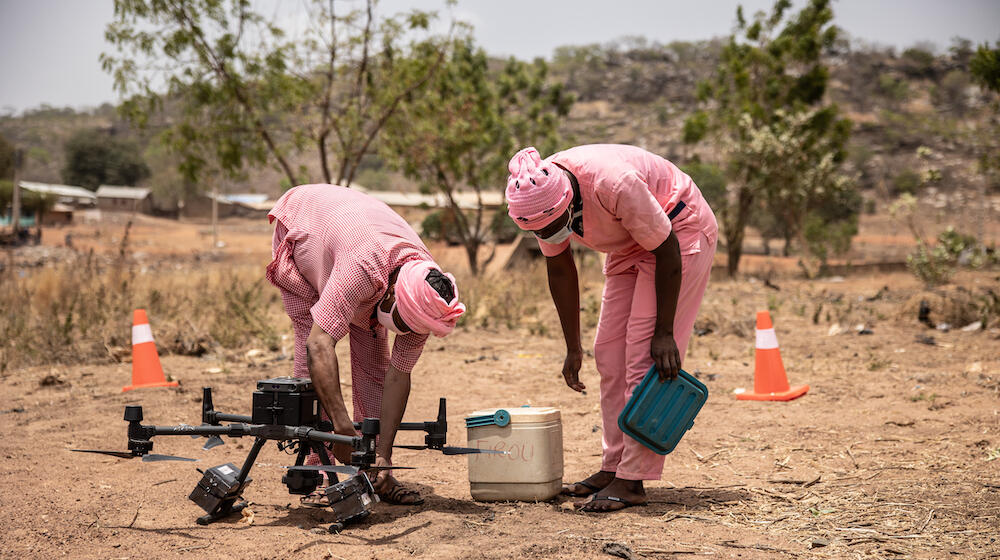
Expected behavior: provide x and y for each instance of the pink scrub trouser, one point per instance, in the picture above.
(621, 350)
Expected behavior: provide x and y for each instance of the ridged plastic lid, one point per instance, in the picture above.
(521, 415)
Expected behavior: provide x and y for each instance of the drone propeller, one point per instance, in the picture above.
(148, 458)
(452, 450)
(213, 441)
(343, 469)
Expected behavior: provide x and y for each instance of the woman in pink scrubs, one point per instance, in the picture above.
(659, 235)
(349, 267)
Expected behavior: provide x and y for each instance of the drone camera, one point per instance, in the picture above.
(351, 499)
(285, 401)
(301, 482)
(218, 485)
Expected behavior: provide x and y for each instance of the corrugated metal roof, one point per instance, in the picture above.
(465, 200)
(58, 190)
(111, 191)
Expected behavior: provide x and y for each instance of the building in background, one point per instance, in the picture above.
(112, 198)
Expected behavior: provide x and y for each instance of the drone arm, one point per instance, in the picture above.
(211, 416)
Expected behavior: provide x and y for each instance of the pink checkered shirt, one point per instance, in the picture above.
(333, 251)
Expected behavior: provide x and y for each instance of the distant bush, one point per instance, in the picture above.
(906, 181)
(935, 265)
(711, 180)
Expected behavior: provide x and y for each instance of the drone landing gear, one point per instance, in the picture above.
(219, 490)
(225, 509)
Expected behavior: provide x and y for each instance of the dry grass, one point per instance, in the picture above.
(80, 311)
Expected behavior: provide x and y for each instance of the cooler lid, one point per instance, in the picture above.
(522, 414)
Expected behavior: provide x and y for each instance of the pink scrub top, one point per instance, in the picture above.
(626, 196)
(333, 264)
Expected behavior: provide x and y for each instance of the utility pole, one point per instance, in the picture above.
(15, 214)
(215, 219)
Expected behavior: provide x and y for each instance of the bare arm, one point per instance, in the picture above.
(324, 370)
(564, 285)
(663, 347)
(395, 393)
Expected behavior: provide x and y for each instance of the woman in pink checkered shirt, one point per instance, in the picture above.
(348, 266)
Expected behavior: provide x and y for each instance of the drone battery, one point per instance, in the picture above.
(216, 486)
(285, 401)
(351, 499)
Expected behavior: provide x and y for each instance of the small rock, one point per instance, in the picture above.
(213, 370)
(619, 550)
(595, 428)
(254, 353)
(318, 531)
(975, 367)
(943, 327)
(835, 329)
(819, 543)
(972, 327)
(51, 380)
(924, 339)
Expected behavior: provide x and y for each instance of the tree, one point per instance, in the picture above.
(782, 145)
(94, 157)
(985, 66)
(461, 132)
(249, 94)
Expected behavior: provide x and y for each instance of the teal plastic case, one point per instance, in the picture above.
(658, 414)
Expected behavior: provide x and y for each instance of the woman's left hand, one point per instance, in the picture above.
(667, 358)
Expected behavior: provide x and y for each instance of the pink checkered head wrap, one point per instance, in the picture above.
(420, 306)
(537, 190)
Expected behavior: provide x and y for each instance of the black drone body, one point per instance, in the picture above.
(288, 411)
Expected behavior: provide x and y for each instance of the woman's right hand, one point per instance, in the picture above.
(342, 451)
(571, 370)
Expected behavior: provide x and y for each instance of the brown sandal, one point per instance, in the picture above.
(316, 499)
(401, 495)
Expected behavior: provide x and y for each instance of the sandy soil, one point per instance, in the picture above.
(890, 454)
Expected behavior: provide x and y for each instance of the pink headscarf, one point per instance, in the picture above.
(537, 191)
(419, 304)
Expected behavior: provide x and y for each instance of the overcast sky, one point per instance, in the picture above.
(49, 48)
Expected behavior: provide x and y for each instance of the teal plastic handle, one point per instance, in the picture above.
(499, 418)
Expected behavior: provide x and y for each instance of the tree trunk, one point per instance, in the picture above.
(735, 229)
(472, 252)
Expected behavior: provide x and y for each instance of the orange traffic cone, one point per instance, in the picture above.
(146, 368)
(769, 380)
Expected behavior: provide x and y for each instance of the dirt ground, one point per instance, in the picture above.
(892, 453)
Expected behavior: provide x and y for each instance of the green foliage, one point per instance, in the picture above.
(439, 225)
(249, 94)
(711, 181)
(951, 94)
(935, 265)
(6, 159)
(906, 181)
(695, 127)
(94, 157)
(783, 147)
(893, 88)
(985, 66)
(918, 62)
(460, 133)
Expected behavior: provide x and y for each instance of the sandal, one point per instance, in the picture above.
(402, 496)
(616, 499)
(316, 499)
(567, 492)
